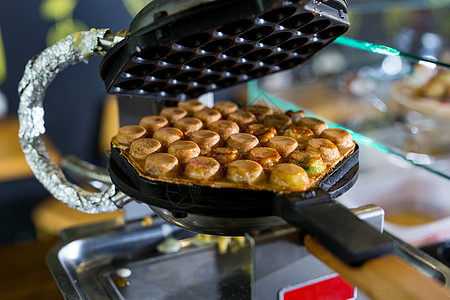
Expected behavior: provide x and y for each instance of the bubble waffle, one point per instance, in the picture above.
(248, 158)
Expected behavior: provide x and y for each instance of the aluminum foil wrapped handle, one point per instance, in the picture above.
(39, 73)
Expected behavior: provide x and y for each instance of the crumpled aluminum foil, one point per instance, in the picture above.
(39, 73)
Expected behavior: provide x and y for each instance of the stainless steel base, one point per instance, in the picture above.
(84, 263)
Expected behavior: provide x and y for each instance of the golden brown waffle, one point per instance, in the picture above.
(255, 147)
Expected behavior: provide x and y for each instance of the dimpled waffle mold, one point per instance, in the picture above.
(263, 139)
(219, 44)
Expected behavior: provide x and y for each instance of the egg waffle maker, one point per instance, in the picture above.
(214, 46)
(182, 49)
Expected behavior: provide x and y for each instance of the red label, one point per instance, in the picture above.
(329, 289)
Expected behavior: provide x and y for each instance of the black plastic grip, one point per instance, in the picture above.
(336, 228)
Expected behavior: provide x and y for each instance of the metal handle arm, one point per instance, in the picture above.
(39, 73)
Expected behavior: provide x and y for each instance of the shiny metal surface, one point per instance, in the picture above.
(217, 225)
(86, 265)
(85, 261)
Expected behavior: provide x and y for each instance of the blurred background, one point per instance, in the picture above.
(360, 90)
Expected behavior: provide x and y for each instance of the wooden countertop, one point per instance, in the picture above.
(24, 273)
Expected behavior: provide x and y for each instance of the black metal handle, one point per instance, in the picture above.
(349, 238)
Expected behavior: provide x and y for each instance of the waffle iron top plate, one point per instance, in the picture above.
(218, 44)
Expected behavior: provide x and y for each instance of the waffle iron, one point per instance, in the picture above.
(213, 46)
(180, 49)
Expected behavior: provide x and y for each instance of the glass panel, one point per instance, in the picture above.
(427, 162)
